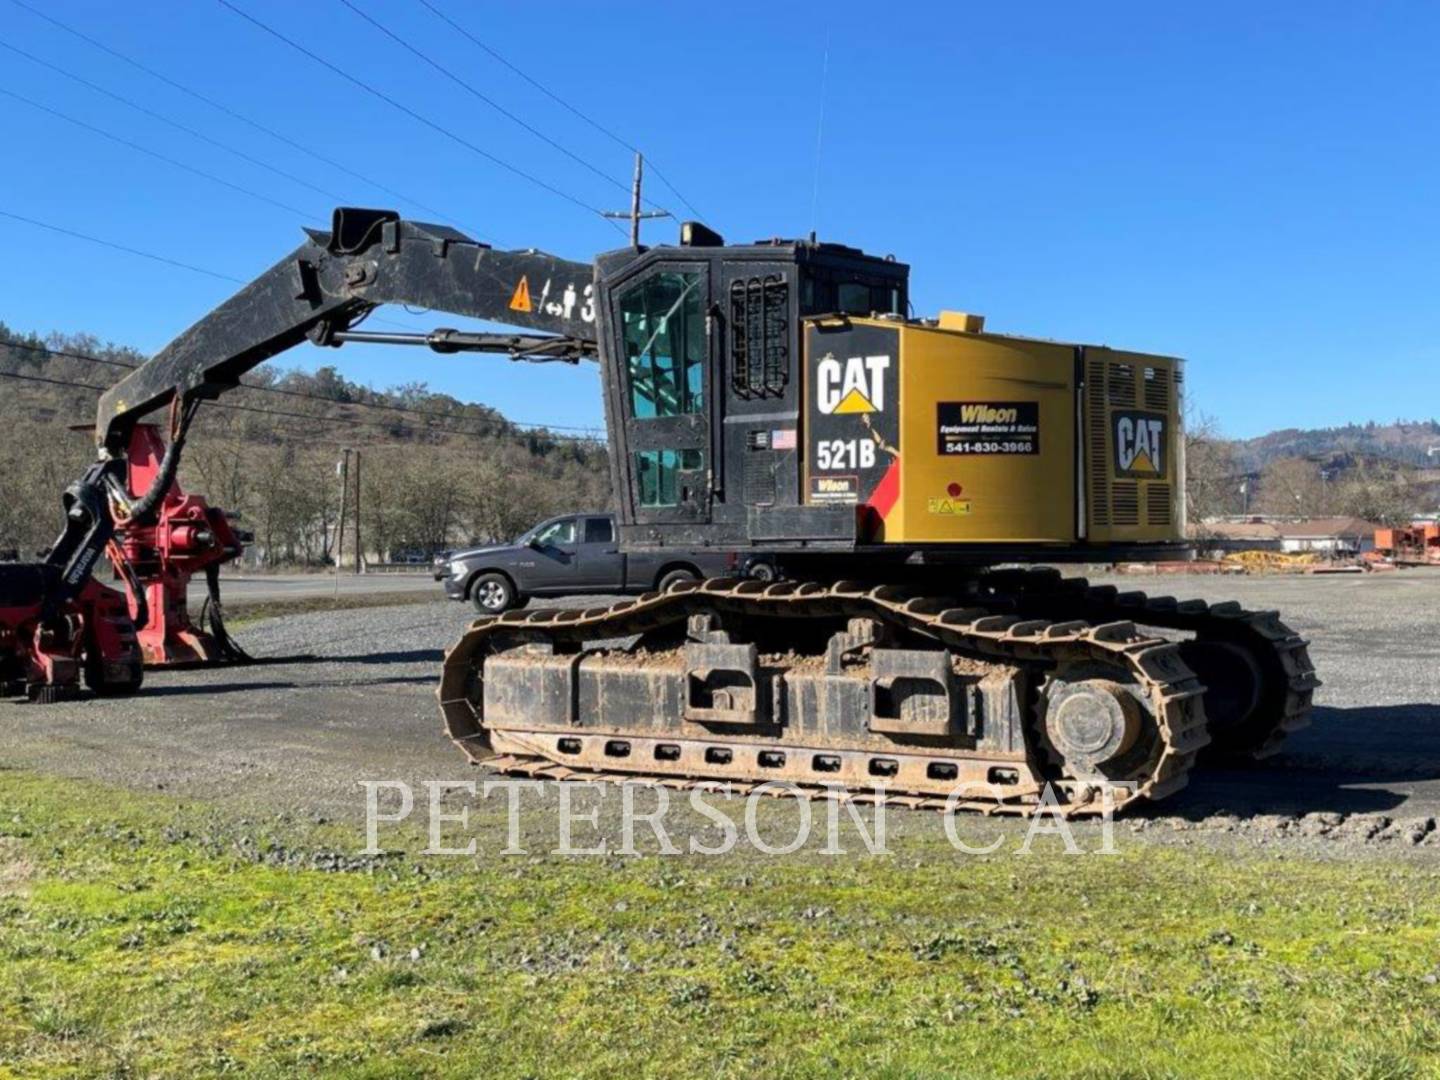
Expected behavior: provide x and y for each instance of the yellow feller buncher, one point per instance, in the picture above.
(911, 479)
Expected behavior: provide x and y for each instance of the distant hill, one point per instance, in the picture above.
(1404, 441)
(436, 471)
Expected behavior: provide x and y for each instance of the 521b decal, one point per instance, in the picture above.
(987, 427)
(846, 455)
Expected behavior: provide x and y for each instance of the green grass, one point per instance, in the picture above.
(143, 936)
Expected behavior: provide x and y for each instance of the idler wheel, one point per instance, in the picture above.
(1091, 723)
(1233, 684)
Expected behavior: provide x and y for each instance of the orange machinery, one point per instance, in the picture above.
(1414, 545)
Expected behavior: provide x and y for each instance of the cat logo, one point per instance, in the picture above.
(1140, 444)
(855, 385)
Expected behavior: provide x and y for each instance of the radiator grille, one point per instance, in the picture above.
(1125, 495)
(1098, 442)
(1113, 385)
(1157, 504)
(1157, 389)
(759, 477)
(1121, 385)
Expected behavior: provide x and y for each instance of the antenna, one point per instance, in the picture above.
(635, 215)
(819, 137)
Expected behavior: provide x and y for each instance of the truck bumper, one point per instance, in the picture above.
(454, 587)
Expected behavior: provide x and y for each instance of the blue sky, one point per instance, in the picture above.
(1250, 186)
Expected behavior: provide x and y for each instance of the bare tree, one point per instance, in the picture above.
(1295, 486)
(1382, 492)
(1212, 470)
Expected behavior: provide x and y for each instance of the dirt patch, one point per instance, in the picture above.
(241, 612)
(657, 659)
(813, 663)
(15, 869)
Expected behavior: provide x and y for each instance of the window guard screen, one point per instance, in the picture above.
(760, 337)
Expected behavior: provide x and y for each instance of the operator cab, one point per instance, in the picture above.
(703, 384)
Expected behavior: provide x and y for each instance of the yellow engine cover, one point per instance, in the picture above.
(946, 436)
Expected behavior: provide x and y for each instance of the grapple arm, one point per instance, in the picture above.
(317, 292)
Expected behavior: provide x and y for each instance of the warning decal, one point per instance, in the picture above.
(987, 427)
(521, 300)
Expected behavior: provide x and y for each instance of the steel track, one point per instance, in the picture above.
(1289, 679)
(1171, 691)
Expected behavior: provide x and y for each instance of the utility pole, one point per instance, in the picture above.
(343, 468)
(359, 547)
(635, 215)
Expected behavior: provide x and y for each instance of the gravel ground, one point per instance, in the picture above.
(241, 590)
(349, 695)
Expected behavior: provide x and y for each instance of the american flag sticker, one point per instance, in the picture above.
(782, 439)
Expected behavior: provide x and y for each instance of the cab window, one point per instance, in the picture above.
(659, 473)
(557, 533)
(663, 321)
(599, 531)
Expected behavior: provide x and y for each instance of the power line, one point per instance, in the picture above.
(226, 277)
(560, 101)
(234, 114)
(353, 421)
(427, 58)
(241, 154)
(505, 422)
(150, 255)
(120, 247)
(461, 140)
(155, 154)
(52, 382)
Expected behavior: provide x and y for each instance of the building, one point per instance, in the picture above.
(1331, 536)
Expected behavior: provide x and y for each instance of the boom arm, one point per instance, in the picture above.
(369, 258)
(318, 292)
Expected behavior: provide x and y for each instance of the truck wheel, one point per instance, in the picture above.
(763, 570)
(670, 577)
(492, 594)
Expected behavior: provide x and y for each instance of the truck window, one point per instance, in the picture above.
(664, 333)
(559, 532)
(599, 531)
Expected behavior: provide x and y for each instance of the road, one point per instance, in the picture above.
(349, 695)
(256, 587)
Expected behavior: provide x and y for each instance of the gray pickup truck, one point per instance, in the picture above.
(577, 553)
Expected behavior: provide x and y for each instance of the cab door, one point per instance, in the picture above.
(601, 564)
(553, 561)
(666, 394)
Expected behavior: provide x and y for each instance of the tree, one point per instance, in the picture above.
(1382, 492)
(1212, 470)
(1295, 487)
(438, 470)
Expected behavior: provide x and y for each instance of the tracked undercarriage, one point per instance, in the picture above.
(1022, 682)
